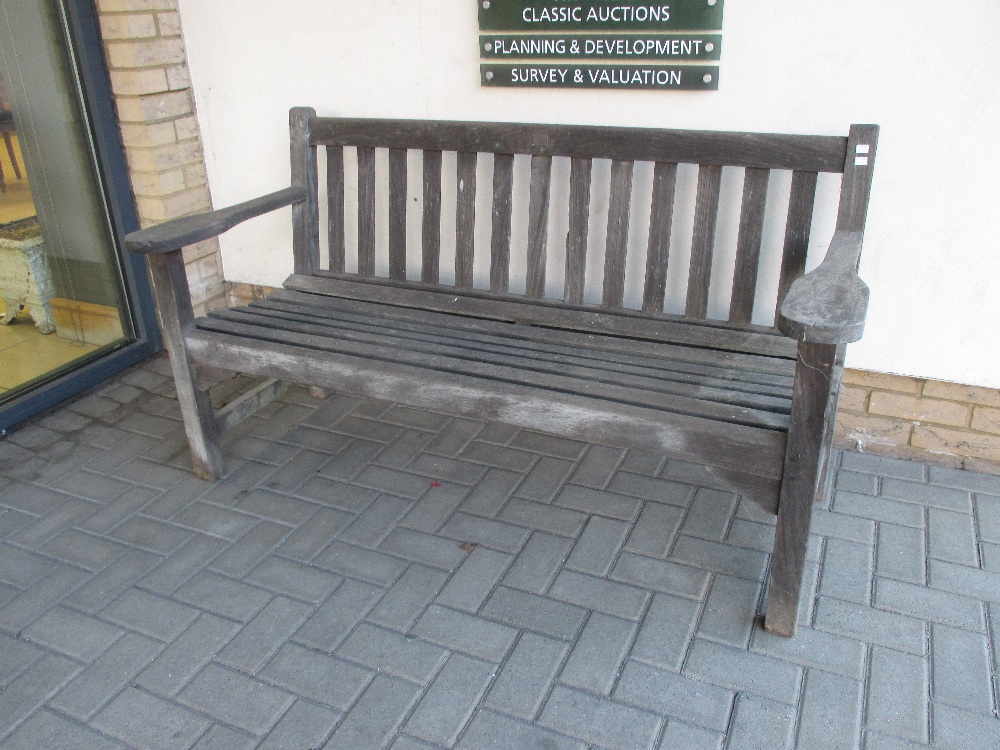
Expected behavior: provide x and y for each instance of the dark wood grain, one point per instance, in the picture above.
(661, 216)
(616, 244)
(503, 188)
(538, 224)
(856, 187)
(579, 228)
(748, 245)
(366, 211)
(397, 213)
(305, 215)
(798, 225)
(706, 213)
(430, 266)
(465, 219)
(335, 208)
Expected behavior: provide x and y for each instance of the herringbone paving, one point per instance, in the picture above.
(373, 576)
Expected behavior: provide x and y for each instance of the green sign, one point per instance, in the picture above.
(554, 75)
(600, 15)
(623, 47)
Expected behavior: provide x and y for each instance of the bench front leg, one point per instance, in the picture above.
(818, 373)
(176, 315)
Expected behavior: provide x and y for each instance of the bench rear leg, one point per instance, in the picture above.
(810, 437)
(173, 304)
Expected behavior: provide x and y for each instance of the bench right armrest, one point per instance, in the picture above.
(178, 233)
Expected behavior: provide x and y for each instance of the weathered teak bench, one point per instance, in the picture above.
(752, 404)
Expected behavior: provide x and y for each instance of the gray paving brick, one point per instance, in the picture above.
(599, 502)
(16, 655)
(931, 495)
(498, 433)
(929, 604)
(863, 484)
(952, 537)
(988, 515)
(498, 457)
(261, 638)
(642, 462)
(333, 620)
(889, 467)
(548, 444)
(649, 487)
(32, 499)
(843, 526)
(118, 510)
(955, 729)
(466, 633)
(236, 699)
(897, 694)
(474, 580)
(901, 553)
(250, 549)
(387, 651)
(352, 459)
(720, 558)
(66, 515)
(597, 467)
(215, 521)
(406, 600)
(449, 702)
(661, 575)
(946, 476)
(709, 514)
(879, 741)
(681, 735)
(219, 737)
(32, 688)
(598, 546)
(331, 410)
(239, 483)
(376, 521)
(151, 615)
(105, 677)
(443, 469)
(150, 534)
(538, 563)
(146, 721)
(490, 731)
(272, 506)
(315, 439)
(543, 517)
(545, 479)
(223, 596)
(728, 611)
(500, 536)
(369, 429)
(27, 606)
(872, 625)
(752, 535)
(432, 510)
(600, 594)
(990, 556)
(961, 674)
(847, 571)
(293, 579)
(605, 723)
(150, 474)
(92, 486)
(744, 671)
(310, 538)
(993, 611)
(831, 712)
(598, 654)
(428, 549)
(491, 493)
(535, 613)
(304, 725)
(293, 473)
(960, 579)
(322, 678)
(168, 504)
(455, 437)
(12, 520)
(361, 563)
(72, 633)
(420, 418)
(22, 568)
(183, 659)
(376, 716)
(654, 532)
(523, 683)
(666, 631)
(815, 649)
(392, 482)
(761, 723)
(879, 509)
(169, 575)
(53, 732)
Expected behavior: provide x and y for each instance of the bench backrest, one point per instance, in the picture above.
(758, 154)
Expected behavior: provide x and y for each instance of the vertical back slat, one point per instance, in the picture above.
(503, 188)
(616, 246)
(366, 211)
(579, 226)
(305, 215)
(430, 271)
(465, 219)
(335, 206)
(706, 211)
(748, 245)
(397, 213)
(538, 224)
(661, 217)
(797, 227)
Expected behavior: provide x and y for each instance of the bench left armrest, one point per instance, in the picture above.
(187, 230)
(828, 305)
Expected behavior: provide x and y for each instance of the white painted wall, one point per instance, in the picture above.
(927, 72)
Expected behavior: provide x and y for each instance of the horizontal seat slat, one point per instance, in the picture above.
(389, 349)
(738, 458)
(543, 312)
(470, 332)
(759, 150)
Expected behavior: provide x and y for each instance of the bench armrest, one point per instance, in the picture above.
(828, 305)
(178, 233)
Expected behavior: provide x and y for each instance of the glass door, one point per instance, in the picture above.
(66, 292)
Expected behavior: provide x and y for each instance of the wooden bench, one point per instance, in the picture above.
(746, 408)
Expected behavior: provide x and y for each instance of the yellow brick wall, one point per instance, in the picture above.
(145, 53)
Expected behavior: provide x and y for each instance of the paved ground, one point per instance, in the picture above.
(370, 576)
